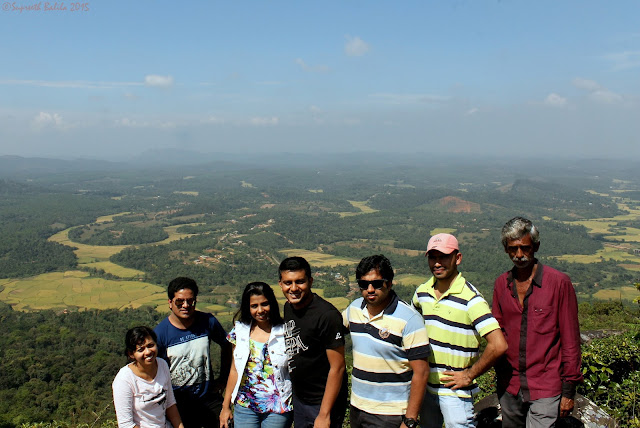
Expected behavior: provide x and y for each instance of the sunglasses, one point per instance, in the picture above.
(180, 302)
(377, 283)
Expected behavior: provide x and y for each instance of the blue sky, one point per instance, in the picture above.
(551, 78)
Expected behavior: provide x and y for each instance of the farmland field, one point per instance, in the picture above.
(319, 259)
(626, 293)
(77, 290)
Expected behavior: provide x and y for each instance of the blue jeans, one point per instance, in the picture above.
(247, 418)
(454, 411)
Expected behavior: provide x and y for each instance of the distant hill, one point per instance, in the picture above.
(17, 166)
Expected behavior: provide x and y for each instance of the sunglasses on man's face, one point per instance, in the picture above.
(377, 283)
(180, 302)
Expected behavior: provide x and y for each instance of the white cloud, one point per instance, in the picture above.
(312, 68)
(625, 60)
(555, 100)
(472, 111)
(355, 46)
(589, 85)
(264, 121)
(46, 120)
(598, 93)
(158, 81)
(410, 98)
(605, 96)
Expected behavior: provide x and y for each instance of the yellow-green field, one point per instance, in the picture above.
(316, 259)
(596, 226)
(246, 184)
(107, 218)
(316, 190)
(441, 230)
(187, 193)
(115, 269)
(631, 234)
(410, 279)
(626, 293)
(361, 205)
(87, 253)
(605, 254)
(75, 289)
(174, 235)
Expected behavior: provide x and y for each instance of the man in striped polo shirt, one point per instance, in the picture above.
(456, 315)
(390, 351)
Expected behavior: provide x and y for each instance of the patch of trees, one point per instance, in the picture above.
(117, 234)
(60, 366)
(29, 215)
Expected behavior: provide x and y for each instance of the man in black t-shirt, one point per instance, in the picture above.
(315, 346)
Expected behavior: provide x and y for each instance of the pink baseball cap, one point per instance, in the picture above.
(443, 242)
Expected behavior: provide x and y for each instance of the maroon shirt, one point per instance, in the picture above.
(543, 359)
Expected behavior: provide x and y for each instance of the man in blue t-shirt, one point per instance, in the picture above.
(183, 340)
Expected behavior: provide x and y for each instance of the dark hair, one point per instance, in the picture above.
(293, 264)
(258, 289)
(377, 262)
(134, 337)
(181, 283)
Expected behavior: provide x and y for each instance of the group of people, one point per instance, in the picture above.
(414, 364)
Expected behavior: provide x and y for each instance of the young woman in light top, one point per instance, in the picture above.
(142, 392)
(259, 388)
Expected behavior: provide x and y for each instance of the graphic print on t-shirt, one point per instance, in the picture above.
(293, 342)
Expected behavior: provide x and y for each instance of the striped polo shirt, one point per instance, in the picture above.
(454, 323)
(383, 345)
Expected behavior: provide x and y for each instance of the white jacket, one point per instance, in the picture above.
(277, 354)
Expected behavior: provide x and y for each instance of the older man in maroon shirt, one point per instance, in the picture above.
(537, 309)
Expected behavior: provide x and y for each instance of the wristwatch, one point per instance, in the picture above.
(410, 423)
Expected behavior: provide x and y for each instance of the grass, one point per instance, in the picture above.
(246, 184)
(317, 259)
(410, 279)
(361, 205)
(604, 254)
(189, 193)
(77, 290)
(624, 293)
(107, 218)
(87, 253)
(442, 230)
(115, 269)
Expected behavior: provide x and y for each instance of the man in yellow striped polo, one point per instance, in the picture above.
(456, 316)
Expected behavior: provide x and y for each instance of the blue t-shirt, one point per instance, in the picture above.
(187, 352)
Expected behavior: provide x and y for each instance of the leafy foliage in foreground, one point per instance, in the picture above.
(611, 369)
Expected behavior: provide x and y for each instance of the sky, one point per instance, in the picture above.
(111, 79)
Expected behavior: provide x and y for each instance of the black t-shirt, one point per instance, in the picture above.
(309, 332)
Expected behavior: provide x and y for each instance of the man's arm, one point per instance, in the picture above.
(496, 346)
(571, 354)
(418, 386)
(332, 388)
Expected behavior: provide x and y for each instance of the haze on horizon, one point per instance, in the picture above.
(501, 78)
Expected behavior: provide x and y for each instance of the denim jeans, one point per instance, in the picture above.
(247, 418)
(454, 411)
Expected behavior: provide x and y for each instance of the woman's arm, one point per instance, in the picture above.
(225, 413)
(123, 401)
(174, 416)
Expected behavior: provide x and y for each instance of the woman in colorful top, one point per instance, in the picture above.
(142, 392)
(259, 383)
